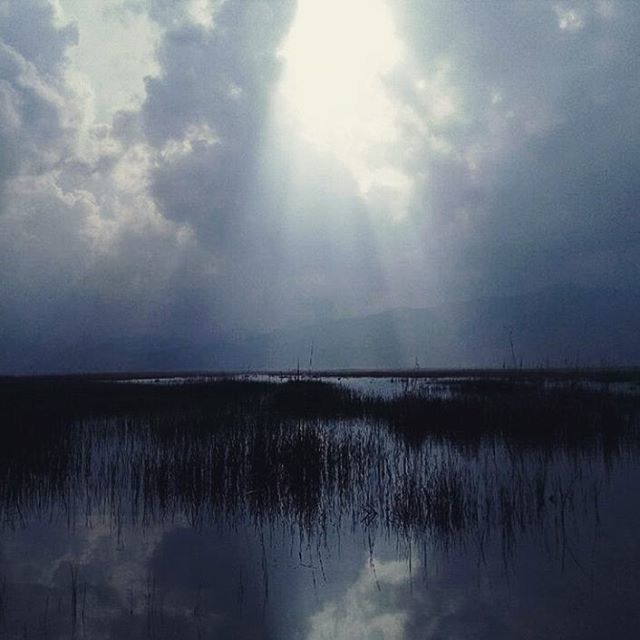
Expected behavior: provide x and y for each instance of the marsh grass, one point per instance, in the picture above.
(318, 455)
(523, 414)
(464, 462)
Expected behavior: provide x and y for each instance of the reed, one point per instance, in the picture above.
(312, 453)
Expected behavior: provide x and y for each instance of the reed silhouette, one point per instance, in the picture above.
(311, 451)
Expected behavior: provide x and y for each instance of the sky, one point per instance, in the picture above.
(197, 169)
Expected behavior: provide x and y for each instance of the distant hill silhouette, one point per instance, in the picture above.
(558, 326)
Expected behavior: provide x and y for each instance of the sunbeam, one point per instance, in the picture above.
(337, 55)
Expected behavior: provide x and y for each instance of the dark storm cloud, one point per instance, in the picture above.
(222, 76)
(213, 94)
(541, 183)
(217, 81)
(26, 26)
(32, 131)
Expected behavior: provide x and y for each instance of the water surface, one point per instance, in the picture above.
(231, 514)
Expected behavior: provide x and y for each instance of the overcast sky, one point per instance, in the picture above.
(191, 168)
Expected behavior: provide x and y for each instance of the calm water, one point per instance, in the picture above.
(400, 540)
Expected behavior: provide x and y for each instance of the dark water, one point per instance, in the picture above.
(137, 526)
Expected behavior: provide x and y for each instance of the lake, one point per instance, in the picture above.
(459, 507)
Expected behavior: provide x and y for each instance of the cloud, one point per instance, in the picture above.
(199, 13)
(188, 204)
(87, 256)
(531, 172)
(270, 214)
(29, 28)
(34, 133)
(375, 607)
(569, 19)
(113, 54)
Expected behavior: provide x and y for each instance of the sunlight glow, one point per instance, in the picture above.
(336, 57)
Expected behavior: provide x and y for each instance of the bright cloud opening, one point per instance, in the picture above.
(336, 57)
